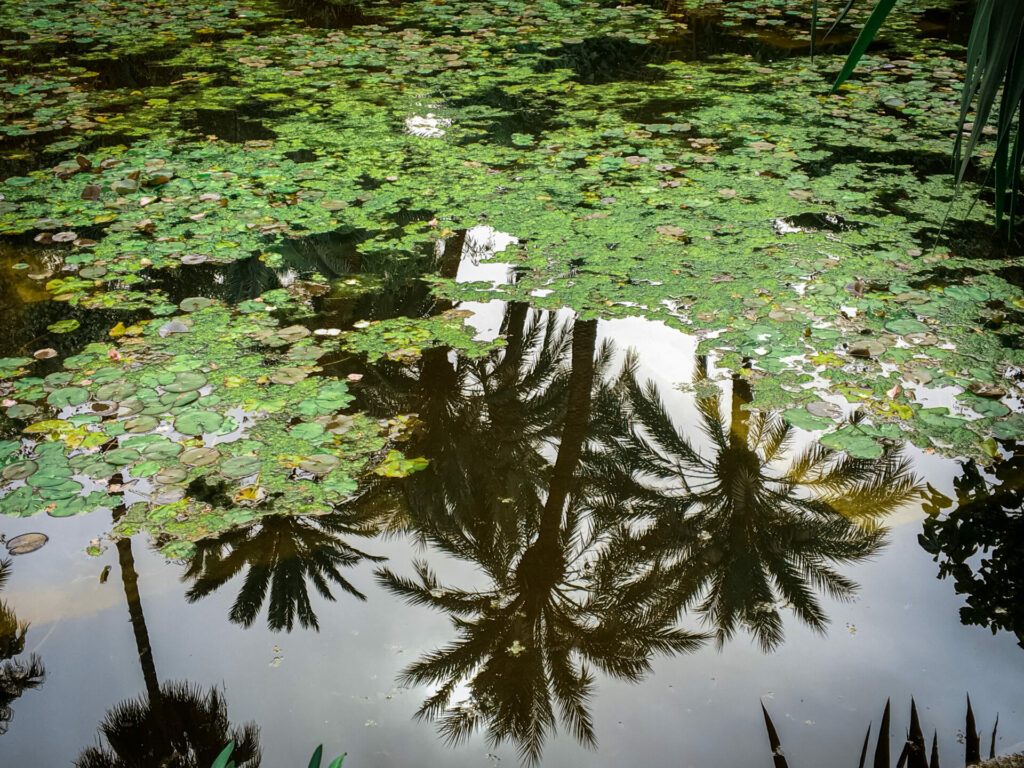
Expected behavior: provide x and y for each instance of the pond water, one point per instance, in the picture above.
(475, 383)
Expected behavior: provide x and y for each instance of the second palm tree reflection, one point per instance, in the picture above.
(279, 557)
(744, 531)
(558, 598)
(598, 524)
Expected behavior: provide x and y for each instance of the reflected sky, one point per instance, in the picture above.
(343, 685)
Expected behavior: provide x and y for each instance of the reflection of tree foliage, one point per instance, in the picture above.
(989, 519)
(558, 598)
(481, 423)
(174, 725)
(739, 535)
(180, 728)
(280, 556)
(16, 675)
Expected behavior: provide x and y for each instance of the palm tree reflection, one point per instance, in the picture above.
(174, 725)
(559, 597)
(740, 532)
(16, 675)
(280, 556)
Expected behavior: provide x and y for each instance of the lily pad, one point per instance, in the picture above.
(858, 445)
(904, 326)
(66, 396)
(121, 456)
(171, 475)
(116, 390)
(64, 326)
(141, 424)
(199, 457)
(800, 418)
(198, 422)
(187, 381)
(195, 303)
(21, 411)
(288, 375)
(19, 470)
(25, 543)
(866, 348)
(240, 466)
(319, 463)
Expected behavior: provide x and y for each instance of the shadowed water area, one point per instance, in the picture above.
(476, 383)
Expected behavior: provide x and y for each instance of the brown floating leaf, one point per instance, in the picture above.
(25, 543)
(982, 389)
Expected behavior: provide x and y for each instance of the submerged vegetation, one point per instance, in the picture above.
(286, 279)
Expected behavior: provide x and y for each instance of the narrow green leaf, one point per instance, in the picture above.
(336, 763)
(864, 749)
(992, 746)
(917, 751)
(224, 756)
(867, 34)
(882, 748)
(318, 753)
(778, 759)
(814, 25)
(839, 18)
(971, 736)
(990, 66)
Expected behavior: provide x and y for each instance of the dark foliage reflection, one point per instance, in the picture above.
(280, 558)
(174, 724)
(16, 675)
(598, 523)
(978, 544)
(558, 598)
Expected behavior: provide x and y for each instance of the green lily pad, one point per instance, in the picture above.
(319, 463)
(186, 381)
(66, 396)
(195, 303)
(178, 550)
(21, 411)
(199, 457)
(905, 326)
(141, 424)
(198, 422)
(63, 326)
(172, 400)
(801, 419)
(121, 456)
(161, 451)
(238, 467)
(116, 390)
(396, 465)
(171, 475)
(97, 469)
(19, 470)
(939, 417)
(67, 489)
(307, 431)
(858, 445)
(144, 469)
